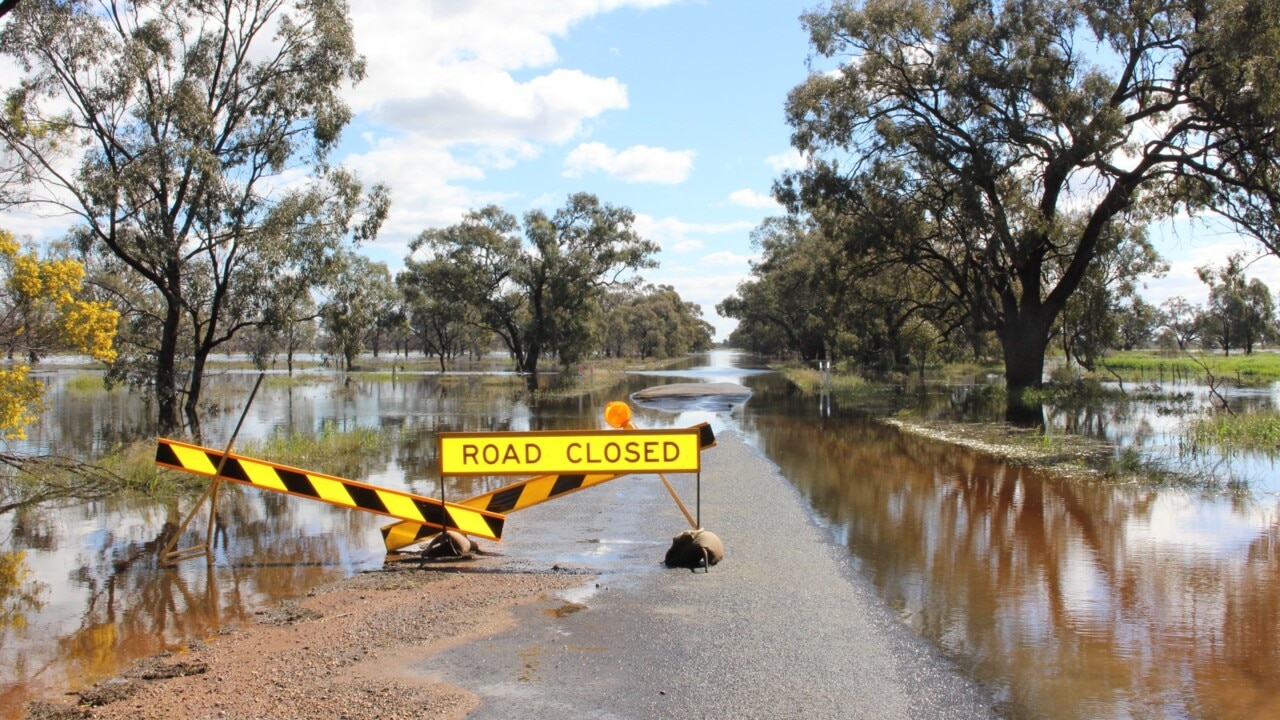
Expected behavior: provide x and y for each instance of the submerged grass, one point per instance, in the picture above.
(134, 465)
(87, 384)
(810, 381)
(1258, 430)
(1066, 455)
(338, 452)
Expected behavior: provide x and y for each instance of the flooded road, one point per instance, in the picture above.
(1068, 599)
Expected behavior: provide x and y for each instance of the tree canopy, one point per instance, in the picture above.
(537, 285)
(167, 130)
(1001, 148)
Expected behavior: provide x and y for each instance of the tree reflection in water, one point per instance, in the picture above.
(1070, 598)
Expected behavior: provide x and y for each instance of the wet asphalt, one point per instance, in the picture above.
(784, 627)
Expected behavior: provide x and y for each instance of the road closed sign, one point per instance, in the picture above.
(599, 451)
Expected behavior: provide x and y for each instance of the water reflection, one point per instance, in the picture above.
(1070, 599)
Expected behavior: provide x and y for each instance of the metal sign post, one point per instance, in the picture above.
(169, 556)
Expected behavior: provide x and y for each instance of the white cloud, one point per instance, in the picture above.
(637, 164)
(481, 105)
(449, 68)
(425, 180)
(747, 197)
(789, 160)
(675, 234)
(727, 259)
(1188, 243)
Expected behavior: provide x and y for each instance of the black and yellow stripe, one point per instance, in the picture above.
(518, 496)
(415, 509)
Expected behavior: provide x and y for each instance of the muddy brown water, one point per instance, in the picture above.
(1068, 599)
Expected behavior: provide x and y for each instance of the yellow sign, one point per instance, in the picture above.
(600, 451)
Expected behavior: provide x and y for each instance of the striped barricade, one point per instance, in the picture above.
(520, 495)
(407, 507)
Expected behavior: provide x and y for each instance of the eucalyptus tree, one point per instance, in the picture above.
(1020, 134)
(361, 292)
(291, 326)
(1180, 319)
(1240, 312)
(1093, 321)
(654, 321)
(539, 284)
(174, 134)
(441, 323)
(795, 291)
(1139, 321)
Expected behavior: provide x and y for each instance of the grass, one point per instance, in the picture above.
(810, 381)
(1255, 431)
(87, 384)
(133, 468)
(135, 465)
(1260, 367)
(336, 452)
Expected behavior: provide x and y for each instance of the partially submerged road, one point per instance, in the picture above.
(782, 628)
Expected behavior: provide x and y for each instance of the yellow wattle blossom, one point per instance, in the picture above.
(40, 313)
(21, 402)
(90, 327)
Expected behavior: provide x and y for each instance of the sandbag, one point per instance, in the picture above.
(450, 544)
(694, 549)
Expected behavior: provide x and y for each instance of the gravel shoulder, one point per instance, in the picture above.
(340, 652)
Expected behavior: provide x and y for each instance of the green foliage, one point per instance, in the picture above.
(999, 151)
(792, 302)
(360, 293)
(826, 290)
(1240, 313)
(541, 294)
(1105, 312)
(442, 323)
(189, 113)
(653, 322)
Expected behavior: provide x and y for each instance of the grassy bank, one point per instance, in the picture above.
(1259, 367)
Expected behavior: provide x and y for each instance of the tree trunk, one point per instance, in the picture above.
(530, 368)
(1024, 338)
(166, 371)
(198, 363)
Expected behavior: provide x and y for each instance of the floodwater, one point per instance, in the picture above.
(1068, 599)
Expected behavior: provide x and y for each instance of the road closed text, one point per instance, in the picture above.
(518, 453)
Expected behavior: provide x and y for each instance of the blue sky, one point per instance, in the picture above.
(672, 108)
